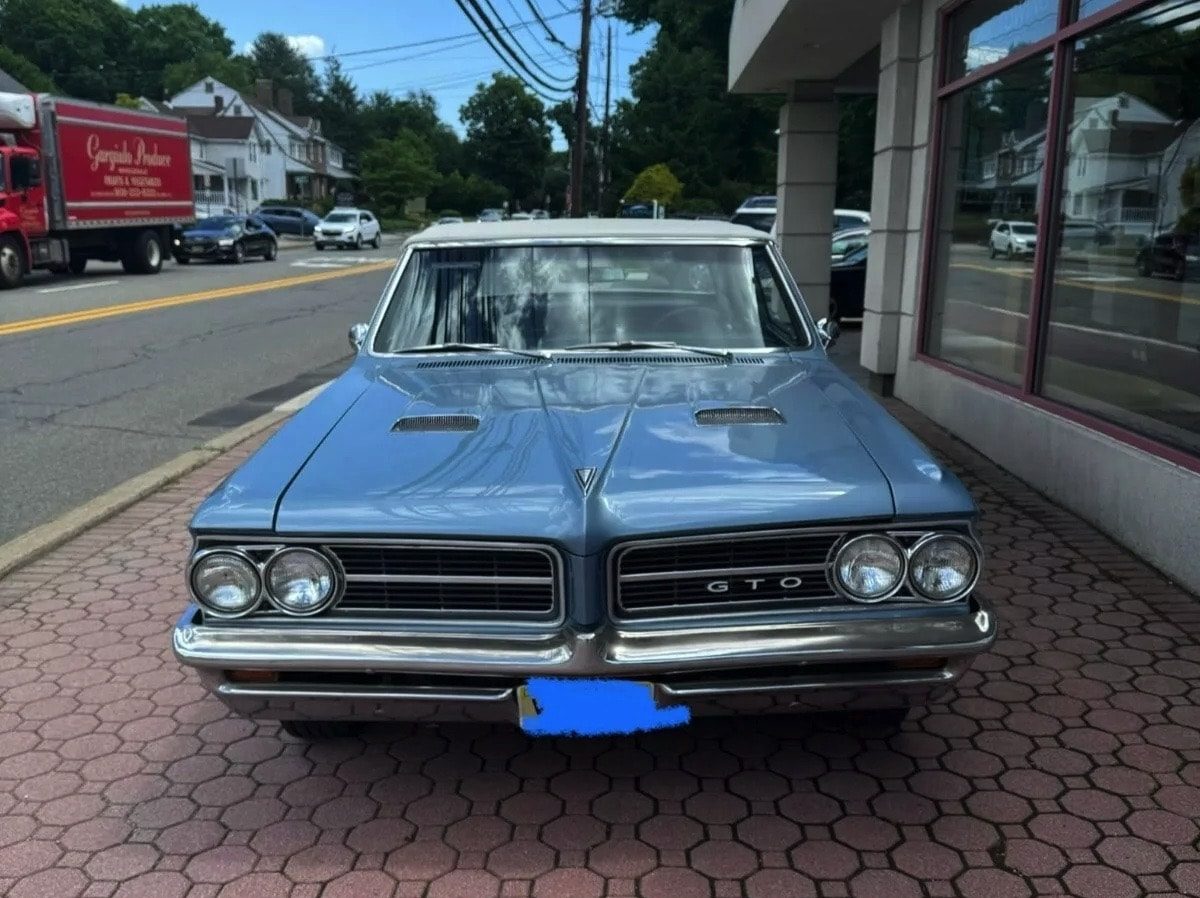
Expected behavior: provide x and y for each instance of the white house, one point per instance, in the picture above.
(296, 160)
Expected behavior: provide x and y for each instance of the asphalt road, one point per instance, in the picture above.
(107, 375)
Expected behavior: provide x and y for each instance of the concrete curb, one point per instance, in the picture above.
(37, 542)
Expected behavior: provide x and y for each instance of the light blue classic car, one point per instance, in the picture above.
(585, 476)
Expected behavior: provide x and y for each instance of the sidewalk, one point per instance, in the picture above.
(1068, 763)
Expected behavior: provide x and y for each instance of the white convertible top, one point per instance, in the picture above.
(585, 229)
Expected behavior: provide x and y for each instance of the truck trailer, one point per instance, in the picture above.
(81, 180)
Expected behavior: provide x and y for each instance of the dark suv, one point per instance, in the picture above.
(1170, 254)
(288, 219)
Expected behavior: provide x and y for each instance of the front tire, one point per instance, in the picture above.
(358, 242)
(375, 243)
(1144, 267)
(183, 260)
(1181, 271)
(12, 263)
(318, 730)
(239, 254)
(991, 250)
(272, 251)
(77, 264)
(1011, 254)
(319, 247)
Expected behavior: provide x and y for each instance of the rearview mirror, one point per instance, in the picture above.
(357, 335)
(829, 331)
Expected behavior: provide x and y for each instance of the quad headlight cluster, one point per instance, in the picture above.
(938, 567)
(229, 583)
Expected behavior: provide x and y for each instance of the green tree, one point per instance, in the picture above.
(397, 170)
(164, 35)
(384, 116)
(80, 45)
(278, 60)
(508, 136)
(657, 182)
(468, 194)
(26, 72)
(127, 101)
(340, 109)
(856, 151)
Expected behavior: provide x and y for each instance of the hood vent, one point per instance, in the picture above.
(436, 424)
(503, 362)
(623, 358)
(738, 415)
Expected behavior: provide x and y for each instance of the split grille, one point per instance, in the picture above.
(433, 581)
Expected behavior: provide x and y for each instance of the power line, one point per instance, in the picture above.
(517, 56)
(522, 72)
(543, 21)
(431, 41)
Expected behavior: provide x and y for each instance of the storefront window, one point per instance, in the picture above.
(986, 31)
(994, 136)
(1123, 336)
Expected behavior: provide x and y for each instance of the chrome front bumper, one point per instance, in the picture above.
(352, 673)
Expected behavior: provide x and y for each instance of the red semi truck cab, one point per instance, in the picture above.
(82, 181)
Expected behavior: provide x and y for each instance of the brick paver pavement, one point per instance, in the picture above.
(1067, 763)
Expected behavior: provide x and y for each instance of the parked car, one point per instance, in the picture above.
(521, 216)
(756, 212)
(348, 229)
(540, 214)
(226, 238)
(848, 283)
(1013, 239)
(289, 220)
(1171, 254)
(843, 220)
(450, 219)
(715, 519)
(491, 215)
(846, 242)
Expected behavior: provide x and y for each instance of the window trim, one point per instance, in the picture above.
(1061, 45)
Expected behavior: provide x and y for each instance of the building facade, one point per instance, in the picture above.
(1070, 357)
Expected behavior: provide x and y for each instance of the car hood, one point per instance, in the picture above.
(580, 453)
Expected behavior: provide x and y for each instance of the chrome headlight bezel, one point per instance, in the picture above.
(847, 592)
(973, 550)
(212, 610)
(336, 576)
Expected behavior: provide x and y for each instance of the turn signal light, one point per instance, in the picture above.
(252, 676)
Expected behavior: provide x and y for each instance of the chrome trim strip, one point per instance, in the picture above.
(719, 571)
(359, 693)
(801, 683)
(434, 578)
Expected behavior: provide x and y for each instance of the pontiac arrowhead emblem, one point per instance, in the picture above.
(585, 476)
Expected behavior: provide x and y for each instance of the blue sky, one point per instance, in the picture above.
(448, 71)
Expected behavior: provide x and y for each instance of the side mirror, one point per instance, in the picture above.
(829, 331)
(357, 335)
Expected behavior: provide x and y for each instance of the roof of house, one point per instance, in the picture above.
(10, 84)
(222, 127)
(194, 110)
(586, 229)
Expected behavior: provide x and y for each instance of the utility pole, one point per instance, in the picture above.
(581, 112)
(605, 140)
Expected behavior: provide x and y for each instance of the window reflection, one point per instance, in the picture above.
(1124, 294)
(984, 32)
(994, 137)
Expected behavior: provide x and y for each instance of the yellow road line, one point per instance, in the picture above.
(1086, 285)
(148, 305)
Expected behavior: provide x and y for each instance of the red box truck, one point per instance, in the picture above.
(82, 181)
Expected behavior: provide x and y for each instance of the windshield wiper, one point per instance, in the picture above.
(628, 345)
(474, 347)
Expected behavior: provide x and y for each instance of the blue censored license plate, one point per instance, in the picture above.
(577, 707)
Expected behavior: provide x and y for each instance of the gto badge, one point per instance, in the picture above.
(754, 583)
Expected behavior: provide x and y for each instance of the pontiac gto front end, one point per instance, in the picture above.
(584, 453)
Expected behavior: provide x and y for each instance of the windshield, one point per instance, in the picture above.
(339, 217)
(1021, 228)
(761, 220)
(219, 223)
(554, 297)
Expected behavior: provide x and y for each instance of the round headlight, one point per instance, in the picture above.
(225, 583)
(300, 581)
(869, 568)
(943, 568)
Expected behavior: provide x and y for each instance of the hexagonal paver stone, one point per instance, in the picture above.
(568, 883)
(622, 859)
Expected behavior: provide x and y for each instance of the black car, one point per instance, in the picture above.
(289, 219)
(1170, 254)
(229, 238)
(848, 283)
